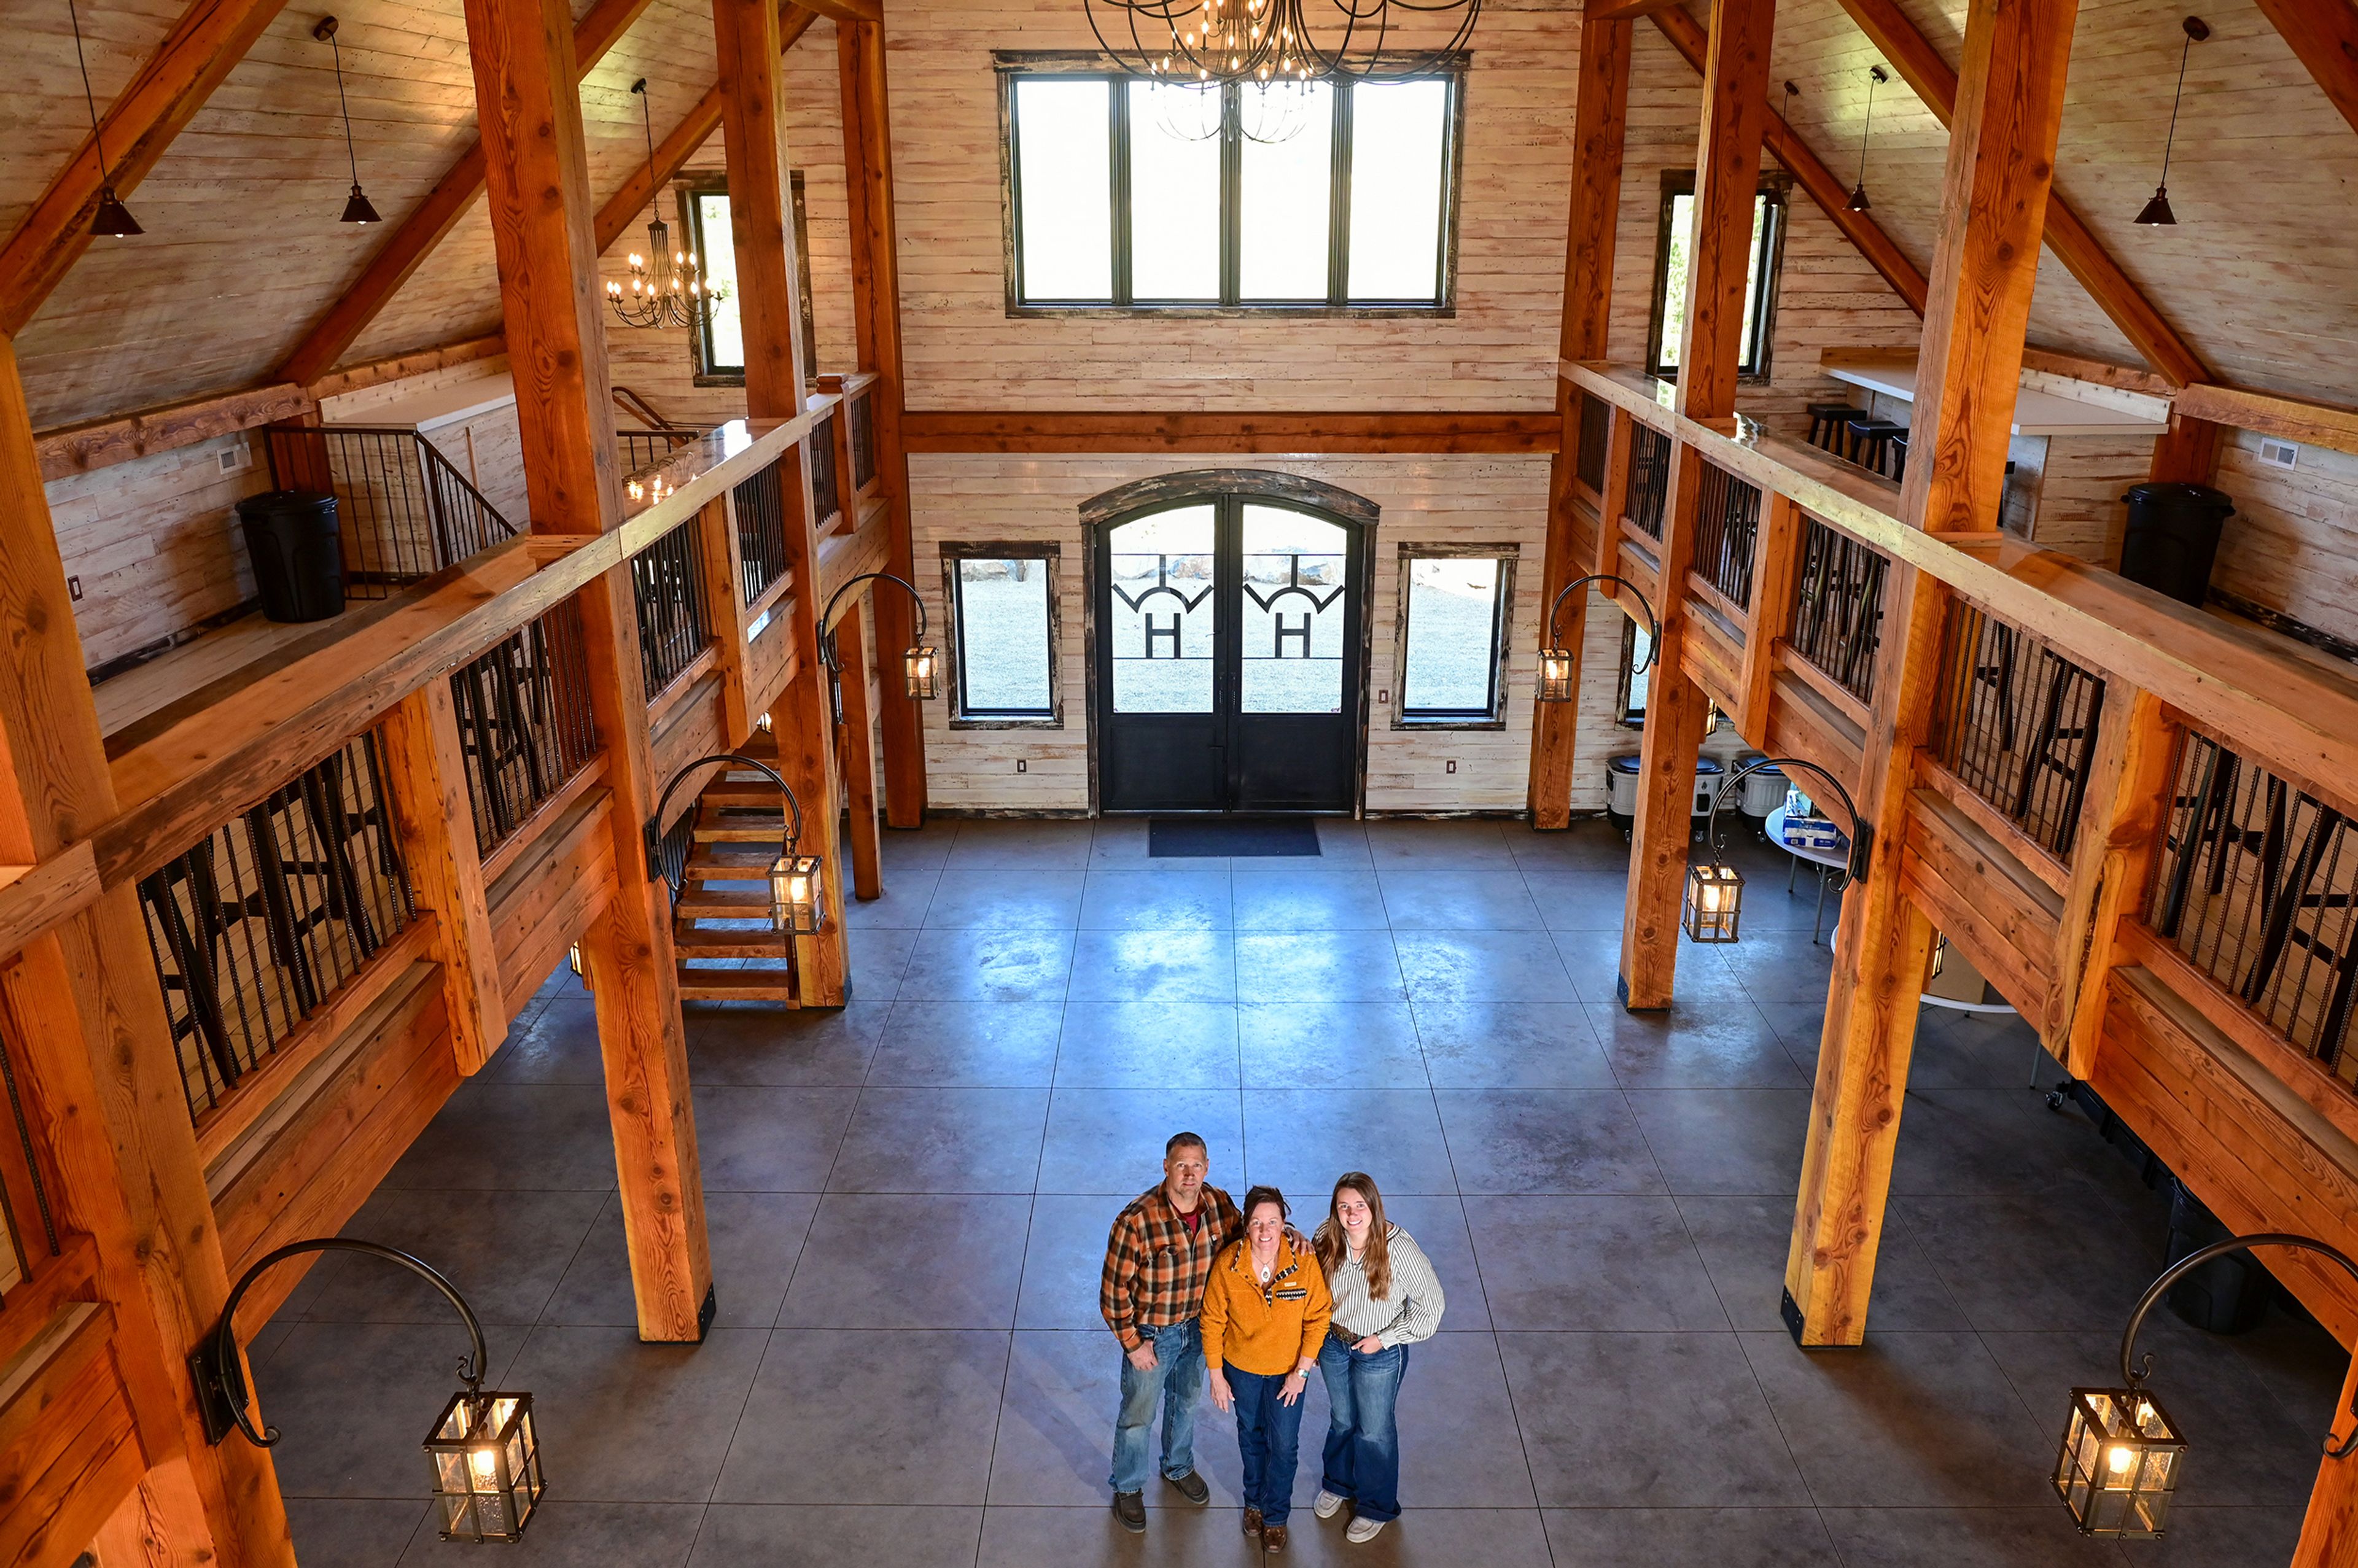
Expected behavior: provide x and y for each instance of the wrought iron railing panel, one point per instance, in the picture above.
(1649, 479)
(1596, 433)
(645, 449)
(524, 723)
(2016, 722)
(1727, 524)
(826, 495)
(259, 925)
(401, 511)
(862, 415)
(667, 586)
(1838, 607)
(761, 506)
(2257, 884)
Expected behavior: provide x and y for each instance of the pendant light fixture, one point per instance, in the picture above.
(112, 220)
(356, 209)
(1273, 40)
(664, 289)
(2157, 212)
(1858, 202)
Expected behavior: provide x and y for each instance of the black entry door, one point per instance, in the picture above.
(1228, 658)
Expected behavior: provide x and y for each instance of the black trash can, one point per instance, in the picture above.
(2229, 1294)
(292, 539)
(2173, 536)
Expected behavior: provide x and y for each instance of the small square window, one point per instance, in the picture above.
(1455, 606)
(1667, 332)
(1004, 612)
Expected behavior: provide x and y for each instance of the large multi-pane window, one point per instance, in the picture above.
(1002, 602)
(1454, 610)
(1670, 256)
(1137, 195)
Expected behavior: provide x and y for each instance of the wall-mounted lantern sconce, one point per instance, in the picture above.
(1715, 899)
(920, 663)
(798, 881)
(483, 1448)
(2122, 1455)
(1560, 665)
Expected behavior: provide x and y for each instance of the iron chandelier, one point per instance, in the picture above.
(664, 290)
(1203, 41)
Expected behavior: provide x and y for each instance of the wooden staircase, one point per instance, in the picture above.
(727, 949)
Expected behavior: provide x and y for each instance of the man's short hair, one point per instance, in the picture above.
(1184, 1141)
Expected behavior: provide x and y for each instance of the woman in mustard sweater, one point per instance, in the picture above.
(1266, 1307)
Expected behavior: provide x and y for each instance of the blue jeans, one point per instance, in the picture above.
(1363, 1435)
(1270, 1436)
(1177, 1380)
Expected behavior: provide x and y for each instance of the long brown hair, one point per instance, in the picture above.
(1335, 1247)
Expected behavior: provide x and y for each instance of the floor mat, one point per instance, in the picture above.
(1218, 838)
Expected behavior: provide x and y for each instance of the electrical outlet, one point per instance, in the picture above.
(1022, 766)
(1452, 765)
(2283, 454)
(73, 589)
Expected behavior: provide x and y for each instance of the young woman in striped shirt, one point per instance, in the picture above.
(1387, 1298)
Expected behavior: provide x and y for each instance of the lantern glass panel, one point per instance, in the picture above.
(797, 894)
(1714, 901)
(486, 1459)
(922, 666)
(2117, 1469)
(1557, 675)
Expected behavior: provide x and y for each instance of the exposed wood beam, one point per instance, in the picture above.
(1932, 79)
(1786, 145)
(945, 431)
(431, 220)
(2293, 418)
(2324, 34)
(203, 47)
(1623, 10)
(870, 11)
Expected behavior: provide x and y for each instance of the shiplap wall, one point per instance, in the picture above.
(154, 543)
(2293, 542)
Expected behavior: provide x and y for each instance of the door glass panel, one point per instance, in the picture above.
(1163, 615)
(1295, 569)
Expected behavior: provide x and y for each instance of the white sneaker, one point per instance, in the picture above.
(1363, 1531)
(1327, 1506)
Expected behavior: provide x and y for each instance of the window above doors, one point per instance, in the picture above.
(1667, 327)
(1144, 196)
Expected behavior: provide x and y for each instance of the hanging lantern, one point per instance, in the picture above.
(1559, 675)
(919, 663)
(111, 219)
(357, 208)
(1858, 201)
(1559, 663)
(797, 894)
(2118, 1468)
(486, 1460)
(1714, 901)
(798, 881)
(2157, 212)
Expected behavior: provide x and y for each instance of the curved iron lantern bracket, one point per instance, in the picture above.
(832, 657)
(789, 819)
(1653, 625)
(1862, 837)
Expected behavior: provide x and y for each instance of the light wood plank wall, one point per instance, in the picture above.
(2292, 545)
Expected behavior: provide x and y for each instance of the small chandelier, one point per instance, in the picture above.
(919, 663)
(798, 881)
(1271, 40)
(112, 220)
(664, 289)
(1858, 202)
(1560, 665)
(357, 208)
(1714, 895)
(2157, 212)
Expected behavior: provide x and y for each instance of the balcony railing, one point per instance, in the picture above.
(826, 494)
(1838, 607)
(2016, 722)
(28, 1229)
(1595, 435)
(761, 506)
(525, 724)
(2257, 884)
(402, 511)
(1649, 479)
(862, 415)
(255, 927)
(668, 588)
(1727, 526)
(645, 449)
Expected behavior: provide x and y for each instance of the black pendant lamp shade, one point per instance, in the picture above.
(112, 220)
(357, 208)
(1876, 77)
(2157, 212)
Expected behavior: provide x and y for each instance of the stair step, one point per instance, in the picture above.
(721, 904)
(698, 943)
(728, 871)
(753, 833)
(696, 991)
(750, 794)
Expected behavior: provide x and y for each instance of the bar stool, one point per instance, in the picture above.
(1869, 439)
(1898, 448)
(1826, 419)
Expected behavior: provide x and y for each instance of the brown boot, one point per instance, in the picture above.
(1272, 1540)
(1252, 1522)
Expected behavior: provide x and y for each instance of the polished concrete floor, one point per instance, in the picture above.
(909, 1200)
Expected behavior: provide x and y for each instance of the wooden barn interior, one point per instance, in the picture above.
(691, 843)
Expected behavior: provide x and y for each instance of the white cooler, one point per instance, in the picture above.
(1764, 788)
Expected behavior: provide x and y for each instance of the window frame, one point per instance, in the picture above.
(715, 182)
(1502, 624)
(1012, 66)
(1777, 191)
(1045, 551)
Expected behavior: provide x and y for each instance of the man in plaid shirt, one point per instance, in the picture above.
(1157, 1259)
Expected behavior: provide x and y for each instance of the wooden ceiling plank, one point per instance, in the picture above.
(2324, 34)
(430, 222)
(846, 10)
(1932, 80)
(194, 59)
(1784, 143)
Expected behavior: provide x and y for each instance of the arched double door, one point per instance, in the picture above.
(1230, 655)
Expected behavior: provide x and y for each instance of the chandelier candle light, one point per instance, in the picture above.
(1560, 665)
(664, 289)
(1205, 41)
(1714, 900)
